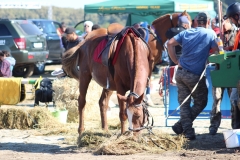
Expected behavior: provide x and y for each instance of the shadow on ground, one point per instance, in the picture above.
(37, 148)
(207, 142)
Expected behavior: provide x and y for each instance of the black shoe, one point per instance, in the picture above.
(190, 134)
(212, 131)
(190, 137)
(177, 128)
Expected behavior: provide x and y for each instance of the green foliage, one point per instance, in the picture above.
(72, 16)
(68, 15)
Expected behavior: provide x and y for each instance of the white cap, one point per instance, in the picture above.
(89, 23)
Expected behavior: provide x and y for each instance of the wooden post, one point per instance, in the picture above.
(220, 16)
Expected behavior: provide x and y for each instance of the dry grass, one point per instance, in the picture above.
(106, 143)
(66, 96)
(25, 118)
(109, 143)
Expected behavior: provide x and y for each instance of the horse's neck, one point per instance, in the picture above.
(141, 75)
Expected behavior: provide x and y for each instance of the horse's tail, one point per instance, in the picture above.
(70, 61)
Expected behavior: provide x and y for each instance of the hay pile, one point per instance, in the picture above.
(112, 144)
(25, 118)
(66, 97)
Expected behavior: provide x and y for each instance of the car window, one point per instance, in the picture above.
(30, 29)
(4, 31)
(46, 26)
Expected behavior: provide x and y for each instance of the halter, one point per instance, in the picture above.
(136, 96)
(145, 113)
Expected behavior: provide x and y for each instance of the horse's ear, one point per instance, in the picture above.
(184, 13)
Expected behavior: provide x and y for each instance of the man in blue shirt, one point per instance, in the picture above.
(196, 44)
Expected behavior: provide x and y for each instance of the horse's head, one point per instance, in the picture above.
(136, 111)
(165, 22)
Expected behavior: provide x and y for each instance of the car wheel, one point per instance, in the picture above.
(39, 68)
(23, 71)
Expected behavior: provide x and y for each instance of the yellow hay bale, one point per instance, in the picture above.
(66, 96)
(126, 144)
(24, 118)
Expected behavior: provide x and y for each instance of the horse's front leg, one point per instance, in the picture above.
(83, 86)
(103, 104)
(122, 113)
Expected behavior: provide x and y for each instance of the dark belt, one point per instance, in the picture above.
(180, 68)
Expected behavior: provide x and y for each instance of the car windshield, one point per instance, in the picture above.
(46, 26)
(30, 29)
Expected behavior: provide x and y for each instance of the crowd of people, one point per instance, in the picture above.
(189, 50)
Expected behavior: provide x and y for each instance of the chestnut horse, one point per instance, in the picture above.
(131, 72)
(157, 40)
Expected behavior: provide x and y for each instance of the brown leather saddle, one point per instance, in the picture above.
(112, 30)
(115, 33)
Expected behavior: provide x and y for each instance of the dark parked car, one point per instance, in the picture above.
(26, 43)
(53, 40)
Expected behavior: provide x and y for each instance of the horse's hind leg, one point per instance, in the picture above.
(103, 104)
(83, 86)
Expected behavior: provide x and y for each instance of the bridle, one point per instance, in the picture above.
(136, 96)
(146, 114)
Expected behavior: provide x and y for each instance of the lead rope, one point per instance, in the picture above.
(150, 132)
(194, 88)
(150, 128)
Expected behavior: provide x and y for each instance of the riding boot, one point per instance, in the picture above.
(215, 121)
(235, 117)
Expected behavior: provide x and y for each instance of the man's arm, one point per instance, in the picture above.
(171, 50)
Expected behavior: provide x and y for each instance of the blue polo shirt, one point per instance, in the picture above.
(196, 44)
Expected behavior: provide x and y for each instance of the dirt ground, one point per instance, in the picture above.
(30, 144)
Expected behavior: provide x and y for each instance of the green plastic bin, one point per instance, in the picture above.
(227, 73)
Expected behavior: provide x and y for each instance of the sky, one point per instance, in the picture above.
(59, 3)
(72, 3)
